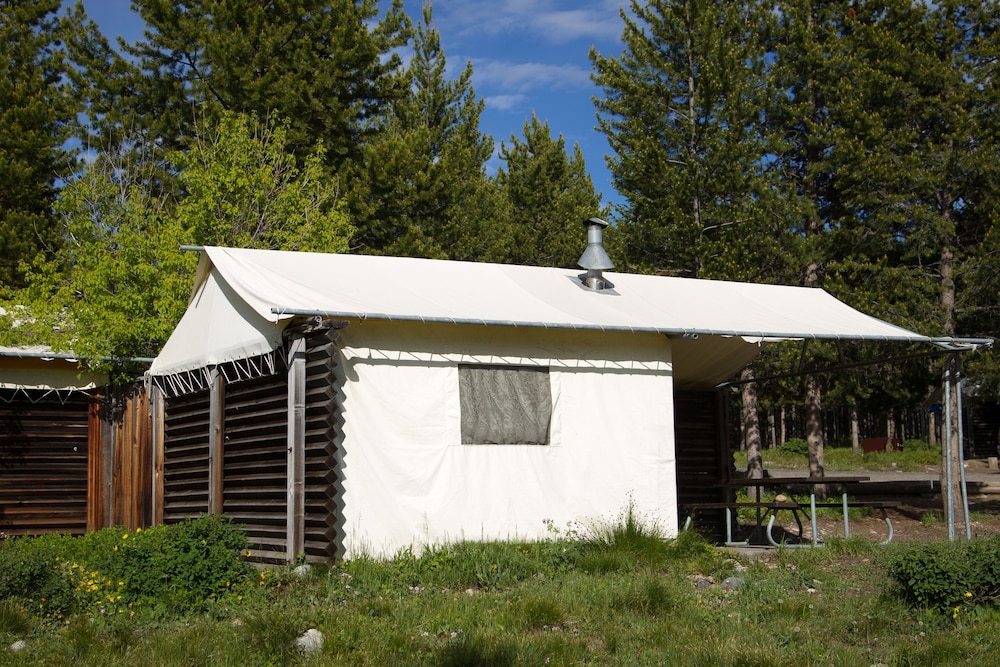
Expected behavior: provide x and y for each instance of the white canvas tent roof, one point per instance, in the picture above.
(38, 367)
(243, 299)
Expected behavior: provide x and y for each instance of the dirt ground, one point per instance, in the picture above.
(913, 522)
(921, 517)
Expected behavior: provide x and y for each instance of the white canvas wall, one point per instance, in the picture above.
(409, 481)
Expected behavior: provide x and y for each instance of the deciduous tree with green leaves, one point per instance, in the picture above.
(244, 189)
(118, 284)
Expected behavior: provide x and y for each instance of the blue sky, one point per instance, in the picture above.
(528, 56)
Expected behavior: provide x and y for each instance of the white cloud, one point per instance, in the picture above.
(554, 21)
(503, 102)
(522, 77)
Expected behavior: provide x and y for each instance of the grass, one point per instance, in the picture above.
(844, 459)
(619, 595)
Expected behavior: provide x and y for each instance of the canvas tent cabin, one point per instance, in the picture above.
(65, 465)
(341, 404)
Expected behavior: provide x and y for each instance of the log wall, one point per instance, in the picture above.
(44, 445)
(702, 454)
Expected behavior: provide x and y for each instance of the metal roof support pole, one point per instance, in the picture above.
(949, 489)
(961, 447)
(296, 462)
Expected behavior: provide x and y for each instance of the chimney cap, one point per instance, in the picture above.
(595, 257)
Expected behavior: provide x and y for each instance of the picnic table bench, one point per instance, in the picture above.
(770, 509)
(767, 510)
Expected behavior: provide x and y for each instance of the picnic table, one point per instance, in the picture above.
(790, 486)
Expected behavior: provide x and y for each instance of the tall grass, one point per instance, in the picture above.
(624, 594)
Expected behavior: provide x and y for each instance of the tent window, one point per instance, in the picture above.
(504, 405)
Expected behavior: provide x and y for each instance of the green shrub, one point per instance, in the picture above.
(946, 576)
(114, 571)
(794, 446)
(915, 445)
(33, 569)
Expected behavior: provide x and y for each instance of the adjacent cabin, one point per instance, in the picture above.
(71, 459)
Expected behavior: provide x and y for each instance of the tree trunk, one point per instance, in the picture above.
(890, 430)
(814, 430)
(751, 425)
(783, 426)
(855, 431)
(772, 433)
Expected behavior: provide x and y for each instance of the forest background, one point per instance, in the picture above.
(844, 144)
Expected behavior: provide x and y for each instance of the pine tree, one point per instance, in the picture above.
(37, 109)
(327, 66)
(421, 187)
(548, 194)
(682, 110)
(936, 169)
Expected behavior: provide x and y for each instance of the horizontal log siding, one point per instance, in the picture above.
(254, 477)
(321, 479)
(701, 462)
(43, 464)
(185, 456)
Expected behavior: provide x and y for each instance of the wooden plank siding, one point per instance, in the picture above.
(323, 529)
(44, 447)
(702, 454)
(185, 456)
(254, 471)
(253, 479)
(132, 482)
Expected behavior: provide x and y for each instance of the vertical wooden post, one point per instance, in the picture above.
(95, 469)
(295, 529)
(144, 459)
(109, 471)
(156, 416)
(125, 475)
(216, 446)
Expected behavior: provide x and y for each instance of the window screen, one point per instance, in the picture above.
(504, 405)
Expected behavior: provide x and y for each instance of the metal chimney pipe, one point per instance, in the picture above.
(595, 258)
